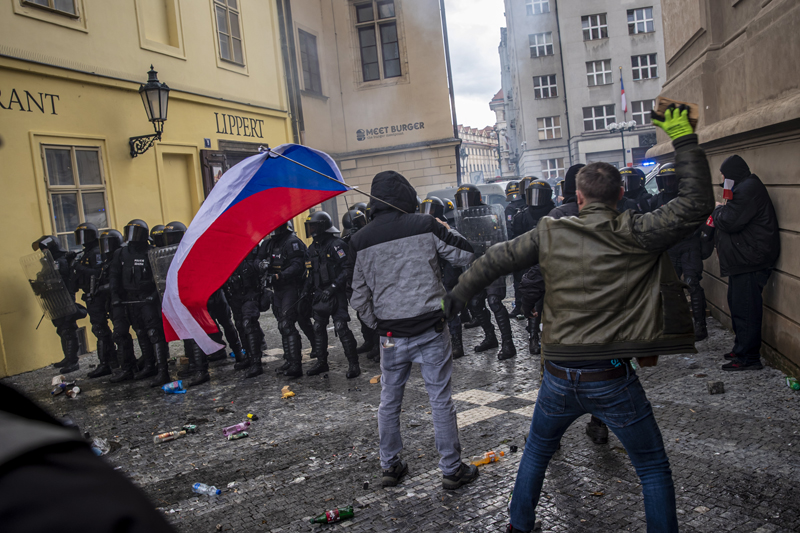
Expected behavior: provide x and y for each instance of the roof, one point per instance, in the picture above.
(499, 97)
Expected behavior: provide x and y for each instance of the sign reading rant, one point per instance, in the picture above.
(43, 103)
(388, 131)
(241, 126)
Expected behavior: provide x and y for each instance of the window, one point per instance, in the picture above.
(76, 189)
(640, 20)
(549, 128)
(598, 117)
(545, 87)
(62, 6)
(599, 72)
(644, 67)
(377, 38)
(553, 168)
(229, 31)
(541, 44)
(310, 62)
(594, 27)
(537, 7)
(641, 111)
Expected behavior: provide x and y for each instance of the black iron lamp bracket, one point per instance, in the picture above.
(141, 144)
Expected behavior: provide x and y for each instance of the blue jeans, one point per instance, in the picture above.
(622, 405)
(434, 353)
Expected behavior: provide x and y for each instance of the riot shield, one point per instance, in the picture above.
(51, 293)
(482, 226)
(160, 260)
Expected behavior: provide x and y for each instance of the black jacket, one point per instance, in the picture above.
(747, 236)
(690, 242)
(642, 198)
(511, 211)
(527, 219)
(284, 255)
(568, 209)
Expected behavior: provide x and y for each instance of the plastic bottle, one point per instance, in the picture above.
(389, 343)
(168, 436)
(488, 457)
(100, 446)
(237, 436)
(792, 383)
(189, 428)
(238, 428)
(202, 488)
(334, 515)
(176, 387)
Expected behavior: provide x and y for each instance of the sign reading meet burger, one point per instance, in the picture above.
(388, 131)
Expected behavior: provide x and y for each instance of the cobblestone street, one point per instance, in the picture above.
(734, 456)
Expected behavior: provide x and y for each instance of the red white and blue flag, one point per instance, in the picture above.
(247, 203)
(623, 100)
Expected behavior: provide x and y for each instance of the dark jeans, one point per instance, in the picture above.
(620, 403)
(745, 303)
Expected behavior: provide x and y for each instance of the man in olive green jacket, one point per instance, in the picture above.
(612, 294)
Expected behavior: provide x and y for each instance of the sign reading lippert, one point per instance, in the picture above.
(388, 131)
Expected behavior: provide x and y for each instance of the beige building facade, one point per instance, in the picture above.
(479, 161)
(740, 61)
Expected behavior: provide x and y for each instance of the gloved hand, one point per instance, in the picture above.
(451, 306)
(675, 121)
(327, 294)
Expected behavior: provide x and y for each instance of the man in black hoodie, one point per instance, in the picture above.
(748, 245)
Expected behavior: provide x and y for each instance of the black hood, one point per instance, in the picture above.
(734, 168)
(395, 189)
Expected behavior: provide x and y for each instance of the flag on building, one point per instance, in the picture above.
(623, 100)
(247, 203)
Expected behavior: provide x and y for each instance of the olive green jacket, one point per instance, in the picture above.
(611, 290)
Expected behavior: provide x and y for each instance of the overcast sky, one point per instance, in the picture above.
(474, 32)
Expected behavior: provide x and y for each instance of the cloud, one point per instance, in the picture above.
(473, 28)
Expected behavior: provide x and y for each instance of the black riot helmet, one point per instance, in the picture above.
(418, 209)
(538, 193)
(110, 241)
(558, 188)
(468, 196)
(157, 235)
(136, 231)
(47, 242)
(359, 206)
(433, 206)
(173, 232)
(512, 191)
(667, 180)
(286, 227)
(354, 220)
(449, 206)
(632, 178)
(86, 233)
(318, 224)
(523, 184)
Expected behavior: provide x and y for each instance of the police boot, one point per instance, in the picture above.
(534, 343)
(254, 355)
(148, 361)
(127, 362)
(201, 367)
(161, 350)
(349, 346)
(369, 340)
(308, 331)
(188, 352)
(71, 354)
(295, 355)
(455, 340)
(508, 349)
(111, 354)
(220, 354)
(375, 353)
(488, 330)
(699, 316)
(286, 350)
(103, 369)
(321, 347)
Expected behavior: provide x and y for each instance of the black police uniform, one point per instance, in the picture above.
(282, 259)
(331, 271)
(371, 345)
(133, 288)
(67, 327)
(220, 311)
(243, 291)
(512, 209)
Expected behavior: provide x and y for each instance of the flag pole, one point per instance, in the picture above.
(621, 88)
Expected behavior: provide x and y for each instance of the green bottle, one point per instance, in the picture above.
(792, 383)
(335, 515)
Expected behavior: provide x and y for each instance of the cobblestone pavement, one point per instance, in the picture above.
(734, 456)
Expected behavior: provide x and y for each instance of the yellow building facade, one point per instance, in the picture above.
(70, 72)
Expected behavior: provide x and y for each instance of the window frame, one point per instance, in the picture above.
(601, 28)
(634, 21)
(377, 24)
(555, 171)
(644, 113)
(544, 45)
(531, 5)
(607, 74)
(302, 38)
(224, 4)
(638, 68)
(552, 88)
(50, 7)
(607, 118)
(75, 188)
(545, 128)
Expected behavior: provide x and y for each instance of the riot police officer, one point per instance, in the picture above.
(67, 326)
(633, 181)
(86, 269)
(687, 255)
(157, 236)
(133, 286)
(352, 221)
(330, 273)
(469, 196)
(516, 203)
(282, 260)
(243, 291)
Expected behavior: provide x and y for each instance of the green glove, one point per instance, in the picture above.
(675, 121)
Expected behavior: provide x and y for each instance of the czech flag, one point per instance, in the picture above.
(249, 201)
(623, 100)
